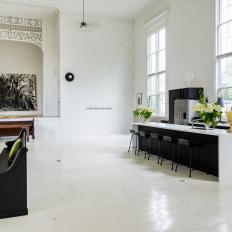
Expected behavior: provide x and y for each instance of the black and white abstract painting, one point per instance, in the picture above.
(18, 92)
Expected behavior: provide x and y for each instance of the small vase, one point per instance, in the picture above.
(207, 126)
(145, 120)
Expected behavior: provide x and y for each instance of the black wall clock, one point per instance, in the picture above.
(69, 77)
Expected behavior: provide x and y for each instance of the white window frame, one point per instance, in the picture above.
(157, 73)
(153, 27)
(219, 56)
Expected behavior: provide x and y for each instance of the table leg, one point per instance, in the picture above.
(28, 133)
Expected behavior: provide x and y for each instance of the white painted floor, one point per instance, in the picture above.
(91, 184)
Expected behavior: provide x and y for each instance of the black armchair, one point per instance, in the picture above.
(22, 135)
(13, 182)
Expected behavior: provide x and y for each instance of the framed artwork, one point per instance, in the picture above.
(139, 99)
(18, 92)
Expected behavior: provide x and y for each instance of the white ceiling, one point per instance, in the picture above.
(124, 9)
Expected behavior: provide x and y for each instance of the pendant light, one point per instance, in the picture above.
(83, 25)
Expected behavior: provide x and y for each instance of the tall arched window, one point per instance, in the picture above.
(156, 63)
(224, 51)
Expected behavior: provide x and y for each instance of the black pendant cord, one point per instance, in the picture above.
(83, 10)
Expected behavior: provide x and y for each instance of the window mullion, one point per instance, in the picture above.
(156, 73)
(219, 13)
(226, 55)
(221, 24)
(157, 63)
(152, 53)
(218, 41)
(157, 77)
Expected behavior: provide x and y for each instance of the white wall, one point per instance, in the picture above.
(190, 43)
(101, 60)
(51, 64)
(22, 58)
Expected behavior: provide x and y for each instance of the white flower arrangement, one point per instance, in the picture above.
(209, 113)
(145, 108)
(207, 108)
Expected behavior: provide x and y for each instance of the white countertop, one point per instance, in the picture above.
(214, 132)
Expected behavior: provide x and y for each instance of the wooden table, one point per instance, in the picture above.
(9, 130)
(12, 126)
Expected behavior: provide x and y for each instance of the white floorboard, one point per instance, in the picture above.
(91, 184)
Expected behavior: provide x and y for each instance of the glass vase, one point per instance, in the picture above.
(207, 126)
(145, 120)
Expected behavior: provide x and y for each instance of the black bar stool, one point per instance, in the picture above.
(142, 135)
(183, 145)
(169, 142)
(133, 133)
(155, 139)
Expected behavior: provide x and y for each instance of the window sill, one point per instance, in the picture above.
(158, 116)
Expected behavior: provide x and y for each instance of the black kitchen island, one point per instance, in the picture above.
(212, 155)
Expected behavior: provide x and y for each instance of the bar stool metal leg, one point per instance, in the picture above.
(173, 154)
(145, 152)
(167, 147)
(178, 157)
(190, 162)
(182, 145)
(162, 152)
(138, 151)
(150, 148)
(154, 144)
(131, 142)
(159, 143)
(168, 152)
(148, 158)
(137, 144)
(146, 148)
(162, 155)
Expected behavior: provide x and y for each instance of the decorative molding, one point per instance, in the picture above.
(21, 29)
(157, 22)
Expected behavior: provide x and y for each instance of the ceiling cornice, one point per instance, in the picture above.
(148, 6)
(22, 3)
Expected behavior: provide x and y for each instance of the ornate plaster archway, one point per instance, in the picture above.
(21, 29)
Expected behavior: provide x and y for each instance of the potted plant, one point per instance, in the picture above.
(143, 112)
(209, 113)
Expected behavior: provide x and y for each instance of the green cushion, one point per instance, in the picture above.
(16, 146)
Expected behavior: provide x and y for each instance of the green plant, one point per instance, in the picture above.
(203, 99)
(143, 112)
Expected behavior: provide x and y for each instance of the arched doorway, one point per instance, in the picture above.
(21, 69)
